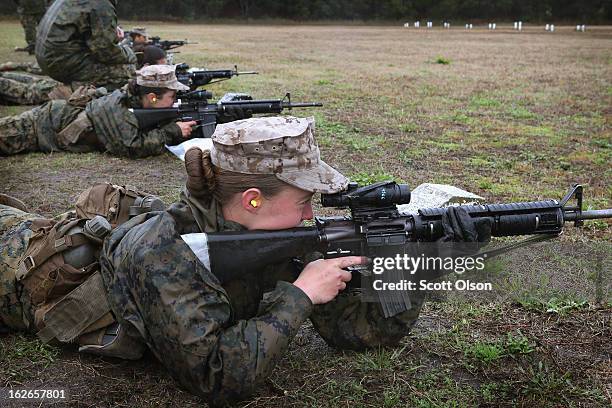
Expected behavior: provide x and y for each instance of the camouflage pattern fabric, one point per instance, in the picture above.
(25, 89)
(30, 13)
(77, 42)
(31, 67)
(115, 129)
(348, 323)
(15, 233)
(281, 145)
(37, 130)
(160, 76)
(220, 342)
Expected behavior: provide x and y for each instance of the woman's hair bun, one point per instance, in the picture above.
(200, 173)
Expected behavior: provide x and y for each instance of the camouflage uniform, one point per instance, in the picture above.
(20, 88)
(30, 12)
(14, 235)
(77, 42)
(105, 124)
(222, 341)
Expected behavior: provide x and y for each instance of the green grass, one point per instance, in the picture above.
(379, 359)
(554, 305)
(487, 352)
(484, 102)
(34, 351)
(364, 178)
(409, 127)
(521, 113)
(442, 61)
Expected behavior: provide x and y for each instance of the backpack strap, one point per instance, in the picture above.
(50, 247)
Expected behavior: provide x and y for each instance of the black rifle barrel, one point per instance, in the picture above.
(301, 104)
(588, 215)
(524, 218)
(267, 105)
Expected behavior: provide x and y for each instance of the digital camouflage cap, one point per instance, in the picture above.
(159, 76)
(281, 145)
(139, 31)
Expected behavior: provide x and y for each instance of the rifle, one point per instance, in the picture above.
(195, 79)
(207, 115)
(168, 44)
(375, 226)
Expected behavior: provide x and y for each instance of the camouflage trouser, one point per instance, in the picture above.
(37, 130)
(15, 233)
(31, 67)
(18, 133)
(29, 23)
(25, 89)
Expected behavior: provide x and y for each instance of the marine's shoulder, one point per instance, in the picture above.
(97, 4)
(152, 230)
(114, 100)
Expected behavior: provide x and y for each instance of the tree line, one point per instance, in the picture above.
(574, 11)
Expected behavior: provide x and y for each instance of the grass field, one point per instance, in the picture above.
(510, 116)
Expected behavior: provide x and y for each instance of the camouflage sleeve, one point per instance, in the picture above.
(103, 42)
(152, 142)
(125, 42)
(348, 323)
(157, 284)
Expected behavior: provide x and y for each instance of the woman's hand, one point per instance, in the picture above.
(186, 127)
(321, 280)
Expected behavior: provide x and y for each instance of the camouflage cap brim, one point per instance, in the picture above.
(321, 178)
(177, 86)
(139, 31)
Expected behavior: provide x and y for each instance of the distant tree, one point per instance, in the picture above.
(579, 11)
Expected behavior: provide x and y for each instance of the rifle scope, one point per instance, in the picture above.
(383, 194)
(202, 95)
(182, 68)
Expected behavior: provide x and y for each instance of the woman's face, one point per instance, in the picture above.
(287, 209)
(139, 39)
(153, 101)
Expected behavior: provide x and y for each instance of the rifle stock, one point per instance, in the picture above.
(151, 118)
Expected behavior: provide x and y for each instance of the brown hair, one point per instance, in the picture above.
(205, 179)
(151, 54)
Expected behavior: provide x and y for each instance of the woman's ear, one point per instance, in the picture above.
(251, 200)
(149, 100)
